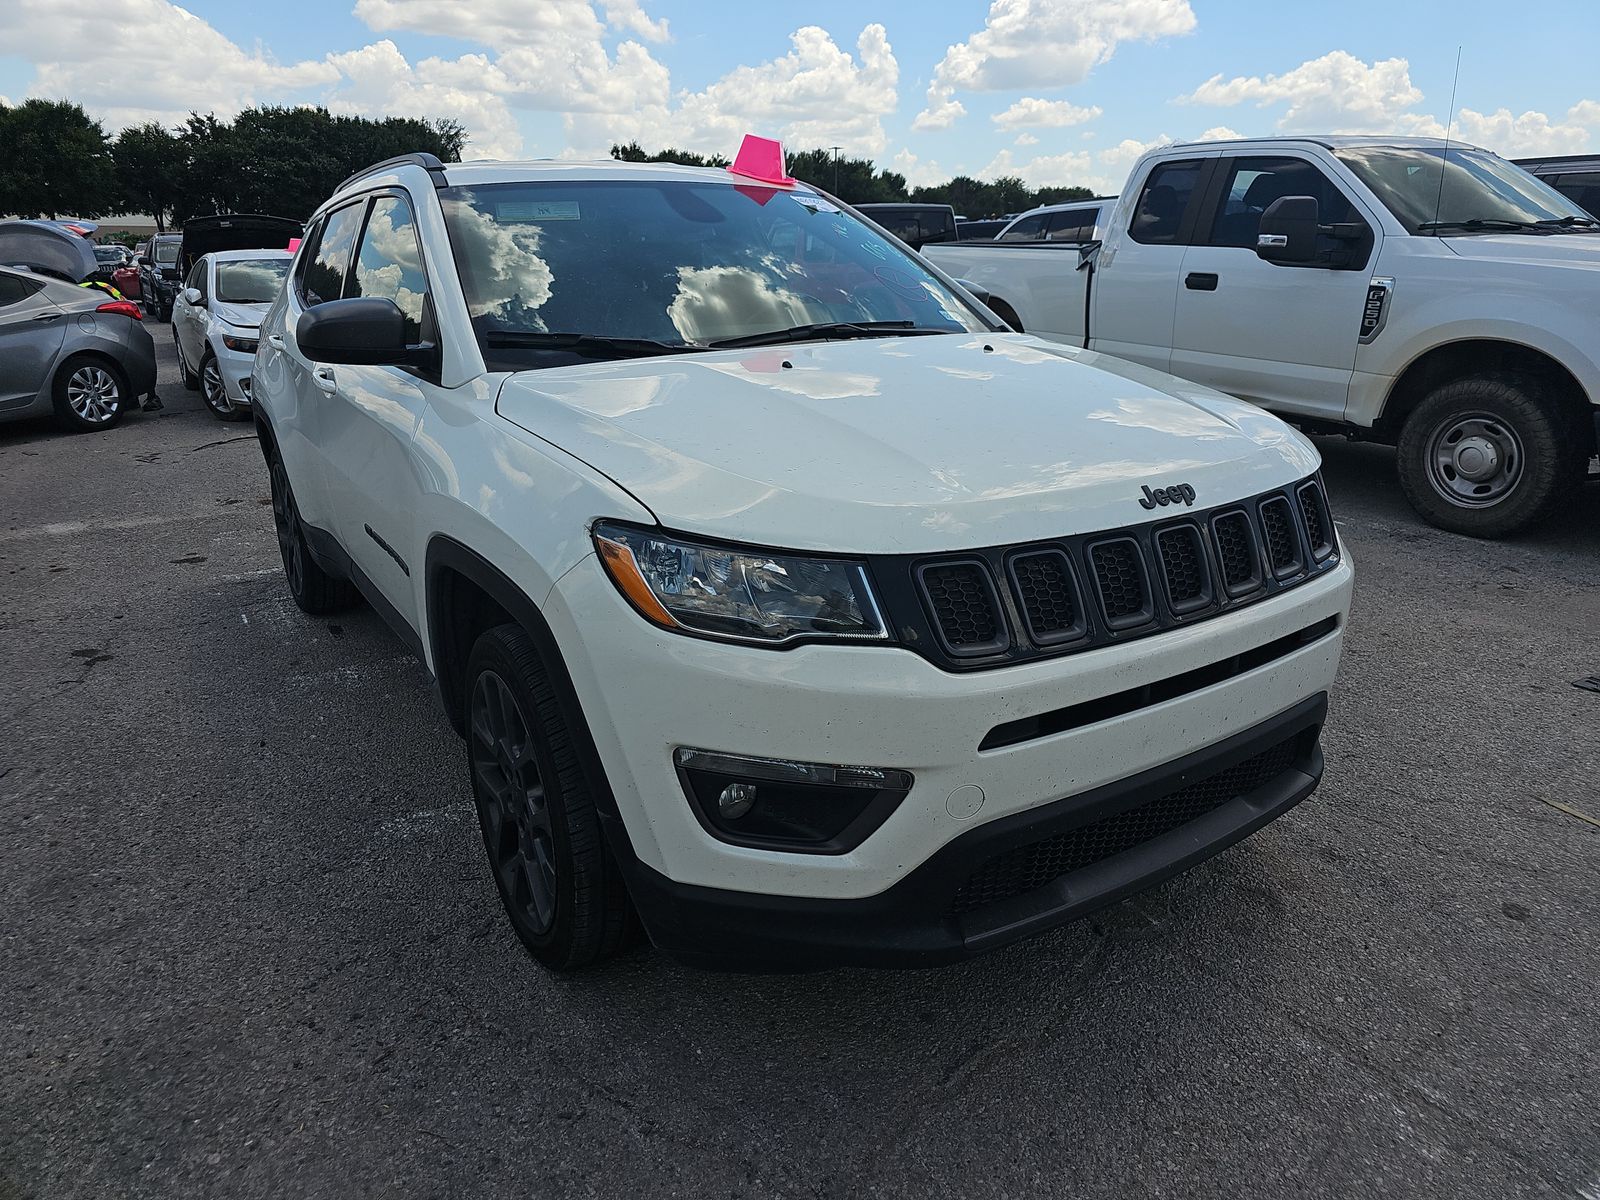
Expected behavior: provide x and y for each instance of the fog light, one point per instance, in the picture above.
(814, 807)
(736, 800)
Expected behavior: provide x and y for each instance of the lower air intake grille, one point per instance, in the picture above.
(1119, 574)
(1019, 871)
(965, 606)
(1283, 543)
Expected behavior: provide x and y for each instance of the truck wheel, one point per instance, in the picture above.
(90, 393)
(313, 589)
(559, 886)
(1488, 456)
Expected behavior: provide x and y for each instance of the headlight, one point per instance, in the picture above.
(739, 594)
(243, 345)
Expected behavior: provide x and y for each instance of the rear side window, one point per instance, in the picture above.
(390, 262)
(1250, 185)
(329, 264)
(904, 226)
(1583, 190)
(1158, 217)
(14, 290)
(1075, 225)
(1025, 229)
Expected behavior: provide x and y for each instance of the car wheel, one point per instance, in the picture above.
(313, 589)
(1489, 456)
(191, 381)
(560, 887)
(90, 393)
(215, 392)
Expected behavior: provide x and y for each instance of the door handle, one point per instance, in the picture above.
(1200, 281)
(48, 317)
(275, 340)
(323, 378)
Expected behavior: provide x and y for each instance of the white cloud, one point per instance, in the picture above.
(1044, 43)
(1033, 113)
(918, 172)
(626, 14)
(1339, 93)
(818, 94)
(1025, 139)
(1075, 168)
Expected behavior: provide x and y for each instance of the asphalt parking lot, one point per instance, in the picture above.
(251, 946)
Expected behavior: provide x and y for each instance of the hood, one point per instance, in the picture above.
(247, 316)
(46, 247)
(236, 231)
(902, 445)
(1570, 249)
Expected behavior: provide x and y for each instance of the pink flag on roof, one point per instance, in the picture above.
(761, 159)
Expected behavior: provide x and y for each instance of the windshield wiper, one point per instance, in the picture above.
(1573, 222)
(587, 345)
(1485, 223)
(825, 329)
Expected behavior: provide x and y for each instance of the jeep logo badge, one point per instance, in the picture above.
(1178, 493)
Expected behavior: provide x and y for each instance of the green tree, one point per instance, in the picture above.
(58, 162)
(149, 165)
(633, 152)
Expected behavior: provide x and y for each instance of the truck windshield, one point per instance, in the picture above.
(559, 271)
(1481, 192)
(251, 280)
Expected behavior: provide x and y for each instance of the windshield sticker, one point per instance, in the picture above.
(815, 203)
(538, 210)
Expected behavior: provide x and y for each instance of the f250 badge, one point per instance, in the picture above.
(1178, 493)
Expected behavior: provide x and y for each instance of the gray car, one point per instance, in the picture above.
(71, 350)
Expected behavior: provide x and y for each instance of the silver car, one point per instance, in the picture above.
(215, 320)
(71, 350)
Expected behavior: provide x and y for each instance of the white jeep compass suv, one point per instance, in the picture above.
(782, 596)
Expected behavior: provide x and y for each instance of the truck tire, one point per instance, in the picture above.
(559, 886)
(312, 588)
(1488, 456)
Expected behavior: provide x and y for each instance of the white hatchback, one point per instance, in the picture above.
(215, 320)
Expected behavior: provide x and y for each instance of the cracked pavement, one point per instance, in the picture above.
(251, 947)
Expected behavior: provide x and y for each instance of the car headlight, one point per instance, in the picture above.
(244, 345)
(738, 593)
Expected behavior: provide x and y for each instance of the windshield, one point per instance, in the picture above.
(674, 266)
(251, 280)
(1478, 189)
(166, 253)
(108, 254)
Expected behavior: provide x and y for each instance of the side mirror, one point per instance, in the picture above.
(366, 330)
(981, 295)
(143, 260)
(193, 298)
(1288, 232)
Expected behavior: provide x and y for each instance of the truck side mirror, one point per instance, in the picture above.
(1288, 232)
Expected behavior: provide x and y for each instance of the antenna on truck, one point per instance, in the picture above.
(1444, 161)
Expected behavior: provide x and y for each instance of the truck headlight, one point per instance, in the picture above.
(738, 593)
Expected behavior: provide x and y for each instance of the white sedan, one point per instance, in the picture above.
(215, 320)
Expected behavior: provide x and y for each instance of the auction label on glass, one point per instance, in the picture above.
(538, 210)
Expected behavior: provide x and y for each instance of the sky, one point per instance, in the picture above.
(1055, 91)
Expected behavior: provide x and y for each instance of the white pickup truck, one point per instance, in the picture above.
(1358, 285)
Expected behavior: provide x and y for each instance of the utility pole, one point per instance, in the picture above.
(836, 150)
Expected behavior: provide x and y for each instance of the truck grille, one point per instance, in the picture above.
(1022, 870)
(1013, 603)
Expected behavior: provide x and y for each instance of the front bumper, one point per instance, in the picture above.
(235, 367)
(936, 915)
(645, 692)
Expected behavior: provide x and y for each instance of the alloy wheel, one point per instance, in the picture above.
(94, 394)
(513, 803)
(216, 395)
(287, 521)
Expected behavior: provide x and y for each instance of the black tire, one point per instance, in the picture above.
(215, 393)
(191, 381)
(1509, 428)
(558, 883)
(90, 393)
(313, 589)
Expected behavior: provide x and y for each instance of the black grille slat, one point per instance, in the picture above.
(1283, 540)
(1184, 568)
(1119, 576)
(1026, 868)
(965, 607)
(1313, 507)
(1048, 594)
(1236, 549)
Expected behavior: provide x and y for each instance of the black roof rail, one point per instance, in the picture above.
(420, 158)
